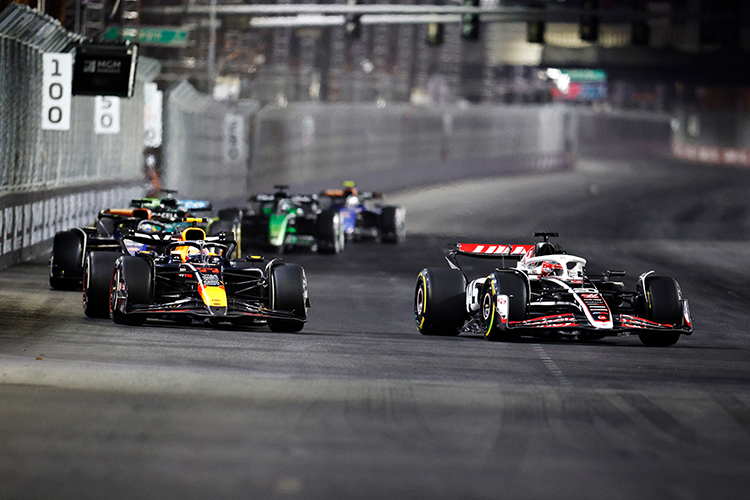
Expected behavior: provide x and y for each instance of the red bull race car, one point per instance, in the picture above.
(192, 277)
(538, 290)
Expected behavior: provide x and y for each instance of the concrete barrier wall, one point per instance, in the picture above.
(29, 221)
(721, 137)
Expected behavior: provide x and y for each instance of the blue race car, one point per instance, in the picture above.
(364, 215)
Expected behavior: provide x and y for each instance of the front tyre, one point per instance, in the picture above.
(663, 305)
(131, 284)
(440, 301)
(97, 278)
(288, 294)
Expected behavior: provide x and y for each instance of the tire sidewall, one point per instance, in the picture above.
(440, 301)
(288, 292)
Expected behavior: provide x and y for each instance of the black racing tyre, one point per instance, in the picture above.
(97, 282)
(329, 232)
(288, 292)
(514, 287)
(131, 284)
(440, 301)
(221, 226)
(66, 262)
(229, 214)
(663, 305)
(392, 225)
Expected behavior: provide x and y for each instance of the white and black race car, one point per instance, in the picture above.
(538, 290)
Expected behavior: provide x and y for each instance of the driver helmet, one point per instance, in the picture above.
(550, 268)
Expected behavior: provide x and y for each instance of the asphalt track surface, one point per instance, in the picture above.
(360, 405)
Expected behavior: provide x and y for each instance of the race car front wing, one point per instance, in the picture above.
(194, 307)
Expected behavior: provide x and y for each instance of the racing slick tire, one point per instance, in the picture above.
(221, 226)
(233, 230)
(329, 232)
(392, 225)
(97, 282)
(230, 214)
(230, 222)
(440, 301)
(663, 306)
(514, 287)
(131, 284)
(288, 293)
(65, 271)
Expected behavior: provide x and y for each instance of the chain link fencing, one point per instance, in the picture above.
(389, 147)
(49, 179)
(206, 152)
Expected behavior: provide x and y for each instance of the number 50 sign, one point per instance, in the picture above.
(106, 115)
(56, 91)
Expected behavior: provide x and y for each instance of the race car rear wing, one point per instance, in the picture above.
(494, 250)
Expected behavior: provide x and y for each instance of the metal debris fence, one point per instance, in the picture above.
(301, 143)
(51, 180)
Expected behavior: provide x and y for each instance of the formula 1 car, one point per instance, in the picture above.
(70, 247)
(193, 277)
(364, 216)
(170, 209)
(171, 205)
(282, 221)
(546, 294)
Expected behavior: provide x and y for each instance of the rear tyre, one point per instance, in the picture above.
(392, 225)
(97, 281)
(230, 214)
(289, 294)
(66, 271)
(440, 301)
(330, 232)
(221, 226)
(514, 288)
(663, 306)
(131, 284)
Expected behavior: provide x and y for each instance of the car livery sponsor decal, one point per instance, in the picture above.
(628, 321)
(502, 307)
(556, 321)
(596, 310)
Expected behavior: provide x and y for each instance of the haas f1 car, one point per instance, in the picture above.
(193, 277)
(546, 293)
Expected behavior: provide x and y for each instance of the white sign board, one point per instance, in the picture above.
(57, 83)
(106, 115)
(152, 116)
(235, 147)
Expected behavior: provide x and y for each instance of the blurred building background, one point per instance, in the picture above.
(631, 54)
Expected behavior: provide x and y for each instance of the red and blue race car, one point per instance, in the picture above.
(364, 215)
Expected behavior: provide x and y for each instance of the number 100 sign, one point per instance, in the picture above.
(56, 91)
